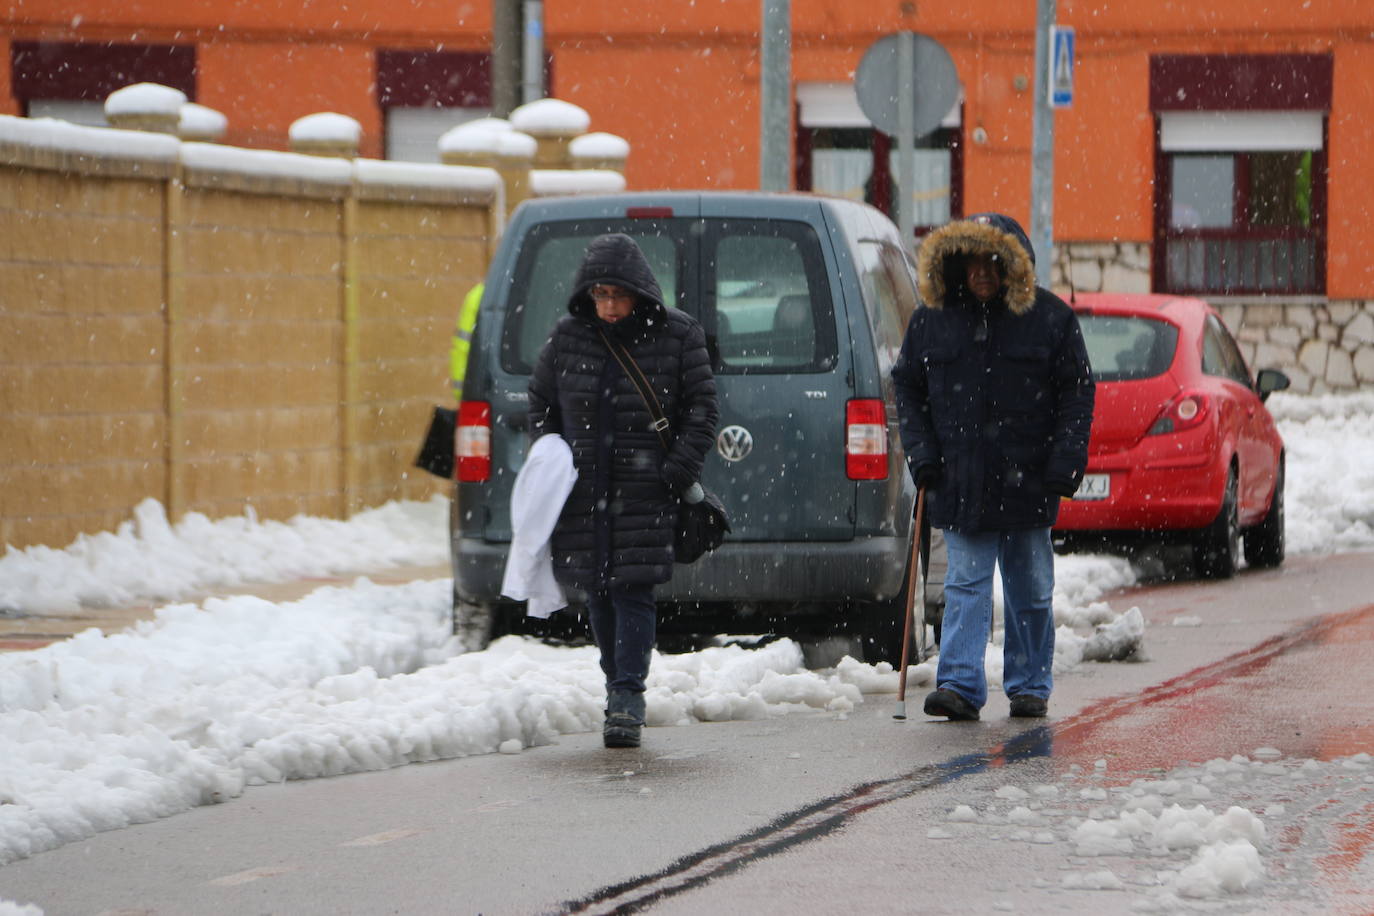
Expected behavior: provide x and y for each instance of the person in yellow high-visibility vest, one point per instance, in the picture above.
(462, 340)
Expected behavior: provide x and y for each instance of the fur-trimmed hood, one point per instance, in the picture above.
(940, 262)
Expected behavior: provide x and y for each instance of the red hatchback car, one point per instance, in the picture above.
(1183, 449)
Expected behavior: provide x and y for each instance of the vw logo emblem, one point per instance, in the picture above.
(734, 443)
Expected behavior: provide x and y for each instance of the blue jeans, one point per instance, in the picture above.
(1027, 562)
(624, 619)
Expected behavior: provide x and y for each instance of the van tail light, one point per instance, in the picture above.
(472, 444)
(1186, 411)
(865, 440)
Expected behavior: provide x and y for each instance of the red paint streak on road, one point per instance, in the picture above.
(1352, 846)
(1305, 693)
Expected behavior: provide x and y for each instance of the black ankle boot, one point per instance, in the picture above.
(624, 718)
(620, 730)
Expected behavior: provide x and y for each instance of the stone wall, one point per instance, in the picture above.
(1324, 346)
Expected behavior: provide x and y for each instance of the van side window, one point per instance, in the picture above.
(889, 295)
(543, 279)
(772, 306)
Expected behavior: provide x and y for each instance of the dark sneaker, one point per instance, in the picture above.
(1028, 706)
(951, 705)
(620, 730)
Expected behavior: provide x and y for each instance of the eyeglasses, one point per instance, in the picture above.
(610, 294)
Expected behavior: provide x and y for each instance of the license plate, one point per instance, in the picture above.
(1094, 486)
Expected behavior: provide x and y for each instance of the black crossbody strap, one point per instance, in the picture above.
(631, 369)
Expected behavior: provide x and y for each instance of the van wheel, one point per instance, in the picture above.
(1264, 542)
(472, 623)
(1217, 551)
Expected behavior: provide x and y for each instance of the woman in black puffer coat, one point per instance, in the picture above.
(614, 539)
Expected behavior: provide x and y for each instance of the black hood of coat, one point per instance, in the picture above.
(940, 262)
(617, 260)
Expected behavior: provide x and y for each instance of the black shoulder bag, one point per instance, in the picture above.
(701, 526)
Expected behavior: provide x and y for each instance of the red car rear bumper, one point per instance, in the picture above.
(1163, 483)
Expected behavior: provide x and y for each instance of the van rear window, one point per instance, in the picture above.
(548, 263)
(758, 287)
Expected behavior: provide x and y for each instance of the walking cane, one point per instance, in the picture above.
(912, 579)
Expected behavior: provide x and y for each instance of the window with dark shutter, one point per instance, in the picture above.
(1240, 160)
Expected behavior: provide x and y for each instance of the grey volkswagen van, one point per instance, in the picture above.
(804, 300)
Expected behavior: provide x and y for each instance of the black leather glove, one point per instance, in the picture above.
(1060, 486)
(927, 477)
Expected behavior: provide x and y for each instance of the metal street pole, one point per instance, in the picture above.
(1042, 149)
(906, 142)
(505, 57)
(532, 86)
(775, 84)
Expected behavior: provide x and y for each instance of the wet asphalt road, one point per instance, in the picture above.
(802, 814)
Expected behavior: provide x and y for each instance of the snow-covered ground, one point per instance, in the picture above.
(102, 731)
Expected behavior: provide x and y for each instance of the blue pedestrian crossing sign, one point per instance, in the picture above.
(1060, 82)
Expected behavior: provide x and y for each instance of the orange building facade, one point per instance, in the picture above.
(680, 81)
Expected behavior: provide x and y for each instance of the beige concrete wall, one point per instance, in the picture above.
(219, 341)
(258, 354)
(82, 358)
(415, 262)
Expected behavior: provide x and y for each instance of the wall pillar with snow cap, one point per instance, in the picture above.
(145, 106)
(326, 133)
(554, 124)
(473, 142)
(199, 124)
(599, 151)
(515, 156)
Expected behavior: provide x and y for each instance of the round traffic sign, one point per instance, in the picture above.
(935, 83)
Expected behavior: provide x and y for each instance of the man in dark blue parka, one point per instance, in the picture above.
(995, 399)
(614, 537)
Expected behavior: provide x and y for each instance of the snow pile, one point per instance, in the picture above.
(265, 163)
(100, 732)
(56, 134)
(201, 121)
(1191, 835)
(144, 98)
(1330, 491)
(558, 182)
(149, 559)
(481, 135)
(382, 173)
(550, 116)
(599, 145)
(325, 127)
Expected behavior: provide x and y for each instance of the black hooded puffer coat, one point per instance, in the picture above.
(617, 525)
(996, 397)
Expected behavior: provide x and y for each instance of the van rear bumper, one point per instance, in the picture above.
(864, 569)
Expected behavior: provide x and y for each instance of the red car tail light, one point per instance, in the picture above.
(1187, 410)
(472, 444)
(865, 441)
(648, 212)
